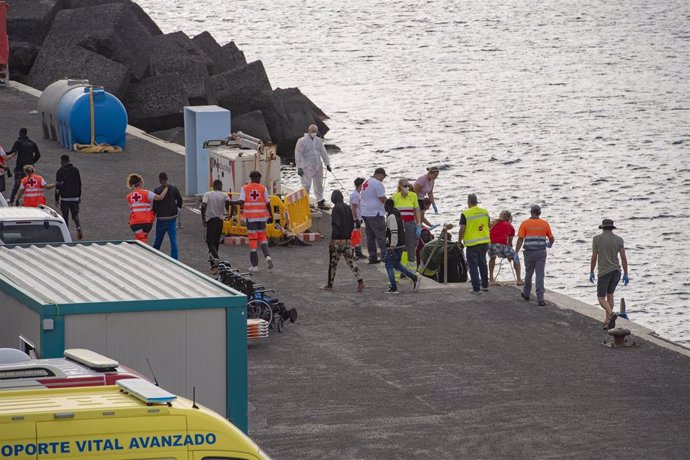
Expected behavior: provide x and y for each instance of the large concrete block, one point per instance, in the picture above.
(144, 18)
(29, 20)
(156, 103)
(223, 59)
(236, 55)
(192, 74)
(73, 62)
(111, 30)
(22, 57)
(177, 44)
(237, 88)
(252, 123)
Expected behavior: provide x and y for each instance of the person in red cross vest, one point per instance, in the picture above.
(31, 188)
(140, 201)
(256, 209)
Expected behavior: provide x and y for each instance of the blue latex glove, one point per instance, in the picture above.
(328, 167)
(591, 277)
(300, 172)
(433, 205)
(418, 231)
(626, 280)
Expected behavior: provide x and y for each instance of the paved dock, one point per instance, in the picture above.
(437, 373)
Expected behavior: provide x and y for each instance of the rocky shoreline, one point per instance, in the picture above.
(114, 43)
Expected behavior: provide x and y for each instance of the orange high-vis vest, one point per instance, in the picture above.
(141, 208)
(33, 191)
(254, 206)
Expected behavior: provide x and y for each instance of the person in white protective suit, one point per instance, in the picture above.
(310, 156)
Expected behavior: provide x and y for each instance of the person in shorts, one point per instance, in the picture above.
(606, 247)
(501, 234)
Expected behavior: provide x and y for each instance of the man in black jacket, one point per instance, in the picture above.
(68, 192)
(27, 154)
(166, 211)
(342, 224)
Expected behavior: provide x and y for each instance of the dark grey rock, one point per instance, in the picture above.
(288, 115)
(236, 55)
(316, 109)
(193, 76)
(22, 57)
(237, 88)
(56, 63)
(252, 123)
(144, 18)
(156, 103)
(174, 135)
(177, 44)
(111, 30)
(29, 20)
(223, 59)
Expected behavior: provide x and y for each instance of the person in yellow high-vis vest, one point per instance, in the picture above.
(474, 233)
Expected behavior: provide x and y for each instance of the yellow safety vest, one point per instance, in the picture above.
(406, 205)
(476, 227)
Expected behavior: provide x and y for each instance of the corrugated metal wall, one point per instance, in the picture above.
(17, 319)
(186, 348)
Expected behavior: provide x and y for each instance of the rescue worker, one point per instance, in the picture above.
(140, 201)
(356, 206)
(256, 209)
(474, 233)
(536, 235)
(31, 188)
(406, 202)
(310, 156)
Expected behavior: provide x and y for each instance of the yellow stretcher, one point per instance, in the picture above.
(291, 215)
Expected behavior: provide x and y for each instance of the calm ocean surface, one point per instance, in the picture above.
(582, 107)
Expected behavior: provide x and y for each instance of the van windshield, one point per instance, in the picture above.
(30, 233)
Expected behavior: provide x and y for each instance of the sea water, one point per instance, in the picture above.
(582, 107)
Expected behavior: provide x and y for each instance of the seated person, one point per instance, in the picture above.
(501, 234)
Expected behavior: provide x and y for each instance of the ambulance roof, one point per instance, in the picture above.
(83, 273)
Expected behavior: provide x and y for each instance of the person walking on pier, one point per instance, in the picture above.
(502, 233)
(214, 205)
(342, 225)
(141, 207)
(535, 233)
(256, 209)
(395, 242)
(356, 206)
(474, 232)
(166, 211)
(31, 188)
(406, 202)
(68, 192)
(310, 156)
(606, 247)
(373, 212)
(27, 154)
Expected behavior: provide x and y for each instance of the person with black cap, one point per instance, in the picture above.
(535, 233)
(373, 197)
(606, 247)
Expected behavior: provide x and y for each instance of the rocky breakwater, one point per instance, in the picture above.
(114, 43)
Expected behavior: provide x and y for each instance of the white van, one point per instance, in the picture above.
(22, 225)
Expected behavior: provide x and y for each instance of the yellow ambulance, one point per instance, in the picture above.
(134, 420)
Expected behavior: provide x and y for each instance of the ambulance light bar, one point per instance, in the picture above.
(90, 359)
(146, 391)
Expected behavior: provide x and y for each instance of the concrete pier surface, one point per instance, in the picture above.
(437, 373)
